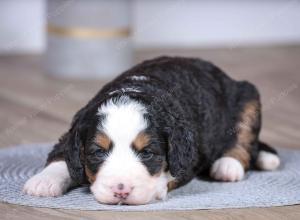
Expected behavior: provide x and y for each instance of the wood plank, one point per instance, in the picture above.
(15, 212)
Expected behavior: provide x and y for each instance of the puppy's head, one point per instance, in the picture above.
(127, 157)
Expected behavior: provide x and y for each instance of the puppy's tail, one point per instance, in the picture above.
(267, 158)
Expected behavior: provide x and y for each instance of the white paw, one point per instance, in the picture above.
(267, 161)
(162, 186)
(227, 169)
(43, 185)
(162, 194)
(53, 181)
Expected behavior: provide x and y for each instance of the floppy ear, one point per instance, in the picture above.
(73, 144)
(182, 148)
(74, 157)
(182, 153)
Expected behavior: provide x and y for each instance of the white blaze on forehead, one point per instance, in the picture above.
(124, 119)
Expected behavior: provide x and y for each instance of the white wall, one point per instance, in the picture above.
(22, 26)
(170, 23)
(193, 23)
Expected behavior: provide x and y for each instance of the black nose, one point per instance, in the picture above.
(120, 186)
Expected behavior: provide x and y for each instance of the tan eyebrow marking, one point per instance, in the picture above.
(141, 141)
(103, 140)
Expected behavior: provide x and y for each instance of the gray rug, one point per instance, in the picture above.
(259, 189)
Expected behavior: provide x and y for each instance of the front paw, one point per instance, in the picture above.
(162, 194)
(227, 169)
(53, 181)
(43, 185)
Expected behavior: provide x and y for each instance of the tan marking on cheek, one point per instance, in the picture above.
(141, 141)
(103, 141)
(91, 177)
(163, 168)
(172, 185)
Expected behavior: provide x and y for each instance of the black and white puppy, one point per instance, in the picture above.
(153, 129)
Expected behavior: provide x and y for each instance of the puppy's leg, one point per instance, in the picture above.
(53, 180)
(235, 161)
(267, 158)
(229, 168)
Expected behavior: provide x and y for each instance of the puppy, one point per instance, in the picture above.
(153, 129)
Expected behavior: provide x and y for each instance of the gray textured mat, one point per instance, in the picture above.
(259, 189)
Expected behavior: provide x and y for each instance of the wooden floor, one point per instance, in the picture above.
(38, 108)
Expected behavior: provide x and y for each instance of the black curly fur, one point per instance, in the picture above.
(193, 108)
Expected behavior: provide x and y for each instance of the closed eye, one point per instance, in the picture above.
(98, 151)
(101, 153)
(146, 154)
